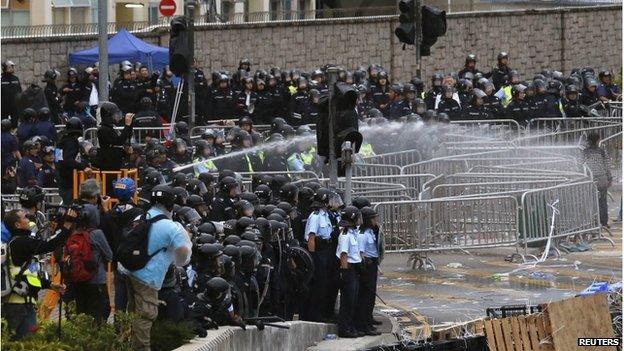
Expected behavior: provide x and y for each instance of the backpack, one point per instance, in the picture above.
(82, 268)
(132, 251)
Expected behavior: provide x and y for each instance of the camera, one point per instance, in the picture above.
(58, 213)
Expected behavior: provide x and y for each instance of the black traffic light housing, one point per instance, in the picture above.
(179, 49)
(406, 31)
(433, 26)
(345, 125)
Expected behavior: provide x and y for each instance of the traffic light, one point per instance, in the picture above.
(345, 125)
(179, 49)
(406, 31)
(433, 26)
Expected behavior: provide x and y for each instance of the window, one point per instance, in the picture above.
(58, 16)
(4, 4)
(15, 18)
(152, 14)
(71, 3)
(78, 15)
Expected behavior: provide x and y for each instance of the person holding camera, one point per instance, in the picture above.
(25, 278)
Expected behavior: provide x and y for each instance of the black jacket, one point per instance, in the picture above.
(11, 87)
(450, 107)
(111, 146)
(519, 111)
(70, 150)
(222, 208)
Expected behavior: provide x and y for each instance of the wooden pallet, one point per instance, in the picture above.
(449, 332)
(518, 333)
(556, 328)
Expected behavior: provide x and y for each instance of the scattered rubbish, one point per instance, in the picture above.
(331, 337)
(500, 277)
(454, 265)
(600, 287)
(542, 275)
(575, 247)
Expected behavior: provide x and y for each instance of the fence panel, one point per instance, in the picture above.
(449, 224)
(464, 189)
(577, 211)
(400, 158)
(366, 170)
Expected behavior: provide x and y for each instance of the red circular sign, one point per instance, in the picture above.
(167, 7)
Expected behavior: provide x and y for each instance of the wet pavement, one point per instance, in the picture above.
(464, 285)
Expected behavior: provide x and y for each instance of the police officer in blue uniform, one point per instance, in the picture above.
(370, 239)
(317, 234)
(348, 252)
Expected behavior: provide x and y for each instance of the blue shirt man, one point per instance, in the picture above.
(164, 234)
(318, 224)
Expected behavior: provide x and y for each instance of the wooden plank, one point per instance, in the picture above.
(579, 317)
(507, 333)
(515, 330)
(489, 334)
(524, 333)
(498, 335)
(533, 333)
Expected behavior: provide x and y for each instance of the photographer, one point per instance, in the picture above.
(26, 278)
(70, 159)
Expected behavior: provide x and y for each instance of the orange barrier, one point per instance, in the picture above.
(102, 177)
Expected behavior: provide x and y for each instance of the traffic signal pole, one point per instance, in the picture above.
(189, 10)
(103, 51)
(333, 163)
(417, 42)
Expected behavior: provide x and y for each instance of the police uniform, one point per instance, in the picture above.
(369, 245)
(348, 243)
(320, 225)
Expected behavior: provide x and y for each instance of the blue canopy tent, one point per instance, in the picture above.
(124, 46)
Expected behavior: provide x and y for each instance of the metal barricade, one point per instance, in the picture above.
(102, 177)
(471, 189)
(436, 167)
(50, 197)
(410, 181)
(577, 212)
(575, 136)
(497, 128)
(541, 125)
(400, 158)
(449, 224)
(365, 170)
(475, 177)
(615, 108)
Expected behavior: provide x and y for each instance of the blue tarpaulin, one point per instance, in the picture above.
(124, 46)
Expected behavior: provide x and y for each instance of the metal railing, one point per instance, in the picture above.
(76, 29)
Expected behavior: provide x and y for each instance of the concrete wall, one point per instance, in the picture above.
(300, 336)
(561, 39)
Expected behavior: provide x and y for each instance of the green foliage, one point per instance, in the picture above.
(167, 335)
(81, 333)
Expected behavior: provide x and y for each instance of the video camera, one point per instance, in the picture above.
(57, 213)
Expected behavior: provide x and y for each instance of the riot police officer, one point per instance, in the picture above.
(449, 105)
(11, 87)
(223, 204)
(52, 95)
(518, 109)
(500, 73)
(571, 104)
(476, 110)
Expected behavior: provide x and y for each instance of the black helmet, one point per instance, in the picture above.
(264, 192)
(6, 125)
(207, 228)
(518, 88)
(29, 114)
(29, 145)
(502, 55)
(360, 202)
(227, 183)
(195, 200)
(30, 196)
(304, 130)
(590, 82)
(277, 124)
(571, 89)
(207, 134)
(471, 58)
(554, 87)
(231, 240)
(276, 138)
(251, 197)
(180, 195)
(217, 290)
(206, 178)
(50, 75)
(74, 125)
(478, 93)
(195, 186)
(285, 206)
(409, 88)
(264, 227)
(163, 194)
(109, 112)
(288, 192)
(418, 83)
(349, 216)
(241, 206)
(181, 128)
(245, 120)
(368, 213)
(375, 113)
(322, 195)
(437, 76)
